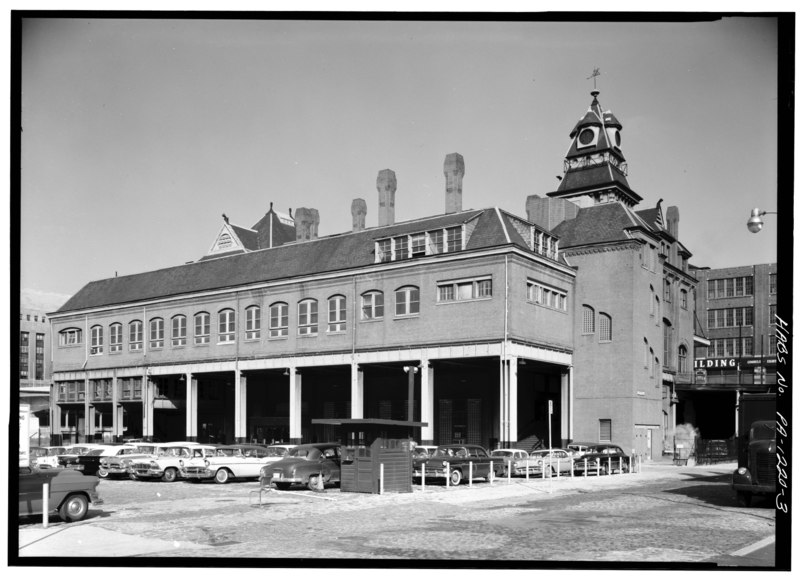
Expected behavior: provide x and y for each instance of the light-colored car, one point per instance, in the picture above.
(580, 448)
(166, 466)
(513, 458)
(89, 463)
(113, 466)
(46, 457)
(232, 462)
(550, 462)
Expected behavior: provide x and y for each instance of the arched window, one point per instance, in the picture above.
(96, 345)
(658, 311)
(202, 328)
(682, 353)
(135, 335)
(179, 330)
(337, 313)
(279, 320)
(652, 363)
(588, 319)
(307, 317)
(252, 322)
(226, 326)
(115, 338)
(156, 333)
(70, 337)
(604, 327)
(668, 339)
(646, 354)
(372, 305)
(406, 301)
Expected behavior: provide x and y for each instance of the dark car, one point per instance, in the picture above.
(70, 492)
(89, 463)
(600, 459)
(313, 465)
(71, 453)
(459, 457)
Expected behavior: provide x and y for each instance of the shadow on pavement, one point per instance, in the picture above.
(719, 493)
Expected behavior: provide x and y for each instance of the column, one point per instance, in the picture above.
(356, 391)
(566, 405)
(191, 407)
(88, 411)
(295, 406)
(148, 408)
(512, 400)
(426, 403)
(502, 408)
(240, 408)
(115, 424)
(55, 414)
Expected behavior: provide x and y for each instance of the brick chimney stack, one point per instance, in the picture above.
(454, 175)
(387, 186)
(306, 222)
(359, 211)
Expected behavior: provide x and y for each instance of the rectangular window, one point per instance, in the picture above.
(96, 346)
(446, 293)
(39, 356)
(135, 336)
(748, 346)
(115, 338)
(605, 430)
(407, 301)
(684, 299)
(252, 326)
(179, 331)
(464, 290)
(418, 245)
(547, 296)
(773, 309)
(202, 328)
(157, 333)
(773, 283)
(24, 339)
(227, 326)
(773, 345)
(435, 242)
(384, 250)
(337, 314)
(279, 320)
(307, 318)
(667, 291)
(401, 247)
(454, 239)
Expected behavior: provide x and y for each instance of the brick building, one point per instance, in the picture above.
(585, 303)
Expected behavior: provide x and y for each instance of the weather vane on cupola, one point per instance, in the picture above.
(594, 75)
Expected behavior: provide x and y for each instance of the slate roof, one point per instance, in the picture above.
(604, 223)
(248, 237)
(593, 177)
(323, 255)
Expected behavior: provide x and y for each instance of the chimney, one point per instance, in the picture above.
(359, 211)
(673, 218)
(387, 186)
(454, 175)
(306, 222)
(549, 212)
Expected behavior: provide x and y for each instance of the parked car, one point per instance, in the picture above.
(70, 492)
(579, 448)
(46, 457)
(597, 457)
(423, 451)
(230, 462)
(515, 458)
(459, 458)
(89, 464)
(311, 465)
(166, 466)
(550, 462)
(71, 452)
(115, 466)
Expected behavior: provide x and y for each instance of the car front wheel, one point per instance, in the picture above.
(222, 476)
(315, 483)
(102, 473)
(74, 508)
(455, 477)
(170, 474)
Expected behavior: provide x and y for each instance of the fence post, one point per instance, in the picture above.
(470, 473)
(585, 469)
(380, 486)
(527, 469)
(45, 504)
(423, 477)
(609, 466)
(491, 472)
(558, 468)
(571, 468)
(508, 475)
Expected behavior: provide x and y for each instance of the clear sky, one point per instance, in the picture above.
(139, 134)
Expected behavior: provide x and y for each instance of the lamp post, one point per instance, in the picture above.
(410, 370)
(755, 224)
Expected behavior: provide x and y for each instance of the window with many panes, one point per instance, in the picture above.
(588, 319)
(372, 305)
(70, 337)
(252, 322)
(547, 296)
(135, 335)
(24, 342)
(604, 327)
(156, 333)
(668, 338)
(384, 250)
(773, 345)
(115, 338)
(401, 247)
(729, 317)
(773, 283)
(605, 430)
(667, 291)
(435, 242)
(226, 326)
(96, 344)
(465, 289)
(337, 313)
(278, 320)
(179, 330)
(684, 299)
(307, 317)
(730, 287)
(454, 237)
(773, 309)
(39, 356)
(202, 328)
(682, 359)
(418, 246)
(406, 301)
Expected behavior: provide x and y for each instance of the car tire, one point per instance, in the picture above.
(74, 508)
(283, 486)
(222, 476)
(744, 498)
(314, 482)
(456, 476)
(170, 475)
(102, 473)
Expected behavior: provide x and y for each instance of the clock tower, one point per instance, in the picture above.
(595, 170)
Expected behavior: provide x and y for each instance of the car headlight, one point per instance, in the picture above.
(181, 463)
(741, 470)
(207, 462)
(153, 465)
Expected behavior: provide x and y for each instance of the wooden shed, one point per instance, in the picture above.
(368, 444)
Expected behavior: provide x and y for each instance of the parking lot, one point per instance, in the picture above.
(663, 513)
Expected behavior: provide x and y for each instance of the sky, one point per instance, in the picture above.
(138, 134)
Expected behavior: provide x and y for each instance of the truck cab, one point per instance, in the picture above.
(757, 473)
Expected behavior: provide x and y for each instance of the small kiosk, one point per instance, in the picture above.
(373, 448)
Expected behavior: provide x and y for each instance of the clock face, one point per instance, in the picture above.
(586, 136)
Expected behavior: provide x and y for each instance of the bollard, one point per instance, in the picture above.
(380, 483)
(585, 469)
(597, 470)
(423, 477)
(45, 504)
(558, 468)
(508, 475)
(470, 473)
(609, 466)
(447, 474)
(572, 468)
(491, 472)
(527, 469)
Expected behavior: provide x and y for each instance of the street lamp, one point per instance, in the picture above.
(755, 223)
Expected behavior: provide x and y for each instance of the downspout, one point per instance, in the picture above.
(504, 364)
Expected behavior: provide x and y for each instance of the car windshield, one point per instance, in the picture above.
(225, 452)
(503, 454)
(451, 452)
(763, 431)
(38, 452)
(96, 453)
(177, 452)
(276, 451)
(145, 450)
(77, 451)
(305, 453)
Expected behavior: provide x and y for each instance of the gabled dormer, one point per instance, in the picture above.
(232, 239)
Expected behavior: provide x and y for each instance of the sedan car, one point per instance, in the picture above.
(71, 452)
(515, 459)
(70, 492)
(423, 451)
(579, 448)
(231, 462)
(602, 459)
(46, 457)
(550, 462)
(453, 462)
(313, 465)
(118, 466)
(167, 465)
(89, 463)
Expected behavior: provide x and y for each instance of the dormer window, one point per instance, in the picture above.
(420, 244)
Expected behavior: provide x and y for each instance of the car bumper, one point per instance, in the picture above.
(146, 472)
(196, 473)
